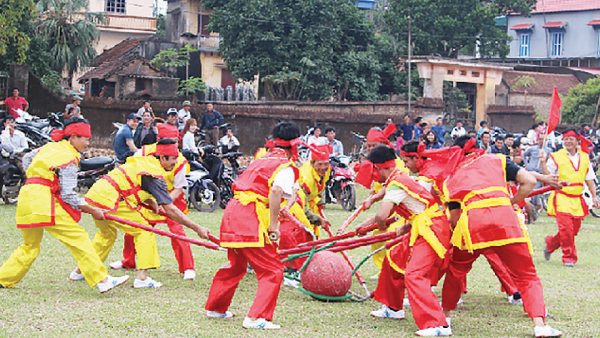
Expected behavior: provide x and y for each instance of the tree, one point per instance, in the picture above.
(15, 30)
(446, 27)
(191, 87)
(580, 104)
(70, 32)
(171, 59)
(524, 82)
(278, 39)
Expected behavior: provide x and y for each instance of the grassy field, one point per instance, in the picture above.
(46, 304)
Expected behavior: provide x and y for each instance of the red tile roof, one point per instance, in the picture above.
(544, 82)
(546, 6)
(555, 24)
(118, 51)
(522, 26)
(594, 23)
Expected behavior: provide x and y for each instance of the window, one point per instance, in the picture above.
(557, 42)
(115, 6)
(524, 41)
(203, 21)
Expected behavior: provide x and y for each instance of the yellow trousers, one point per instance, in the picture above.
(145, 242)
(66, 231)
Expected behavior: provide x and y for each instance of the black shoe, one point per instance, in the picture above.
(547, 255)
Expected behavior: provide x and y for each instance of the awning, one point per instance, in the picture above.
(555, 24)
(594, 23)
(522, 27)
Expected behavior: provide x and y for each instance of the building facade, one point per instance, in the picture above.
(557, 33)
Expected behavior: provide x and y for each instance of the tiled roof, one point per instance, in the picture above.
(544, 82)
(118, 51)
(547, 6)
(109, 68)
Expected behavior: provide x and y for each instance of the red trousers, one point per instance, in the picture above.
(517, 260)
(568, 228)
(424, 305)
(507, 284)
(269, 273)
(291, 236)
(182, 250)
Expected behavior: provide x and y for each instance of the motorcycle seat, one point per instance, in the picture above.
(95, 163)
(39, 125)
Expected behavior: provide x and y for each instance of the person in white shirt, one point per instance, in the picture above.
(13, 141)
(458, 130)
(229, 143)
(145, 108)
(188, 144)
(184, 114)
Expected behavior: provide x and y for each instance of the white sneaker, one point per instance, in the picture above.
(406, 303)
(147, 283)
(215, 314)
(514, 301)
(546, 331)
(386, 312)
(118, 265)
(291, 282)
(259, 323)
(460, 302)
(75, 276)
(439, 331)
(189, 275)
(111, 283)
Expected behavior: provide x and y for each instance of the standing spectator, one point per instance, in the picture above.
(188, 144)
(123, 143)
(211, 120)
(531, 156)
(483, 127)
(407, 128)
(486, 139)
(431, 141)
(75, 104)
(145, 108)
(586, 130)
(472, 133)
(399, 142)
(145, 133)
(417, 129)
(229, 143)
(513, 149)
(15, 103)
(172, 117)
(499, 147)
(315, 137)
(458, 130)
(440, 130)
(336, 145)
(13, 141)
(184, 114)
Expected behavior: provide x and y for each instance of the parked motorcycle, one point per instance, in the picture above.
(340, 188)
(11, 178)
(90, 170)
(218, 173)
(202, 192)
(201, 134)
(38, 130)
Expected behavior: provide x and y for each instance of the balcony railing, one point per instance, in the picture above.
(128, 22)
(209, 43)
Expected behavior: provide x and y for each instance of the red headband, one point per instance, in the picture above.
(167, 150)
(381, 136)
(320, 152)
(585, 143)
(81, 129)
(385, 165)
(420, 150)
(365, 174)
(166, 130)
(293, 144)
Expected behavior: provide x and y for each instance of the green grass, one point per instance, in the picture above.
(46, 304)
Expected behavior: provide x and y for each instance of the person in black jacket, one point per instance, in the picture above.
(145, 133)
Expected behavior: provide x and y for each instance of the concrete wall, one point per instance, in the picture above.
(580, 40)
(211, 74)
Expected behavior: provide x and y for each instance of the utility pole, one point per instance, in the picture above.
(409, 66)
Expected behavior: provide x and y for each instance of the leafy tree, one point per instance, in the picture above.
(524, 82)
(277, 38)
(70, 32)
(191, 87)
(446, 27)
(15, 30)
(580, 104)
(171, 58)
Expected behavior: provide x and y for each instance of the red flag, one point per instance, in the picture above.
(554, 118)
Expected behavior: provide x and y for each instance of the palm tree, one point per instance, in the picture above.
(70, 31)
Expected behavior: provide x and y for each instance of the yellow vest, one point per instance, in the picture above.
(569, 199)
(125, 182)
(182, 164)
(38, 204)
(312, 185)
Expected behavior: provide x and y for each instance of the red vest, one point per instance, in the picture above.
(246, 218)
(488, 219)
(414, 189)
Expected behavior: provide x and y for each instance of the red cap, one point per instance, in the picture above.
(381, 136)
(320, 152)
(167, 150)
(166, 130)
